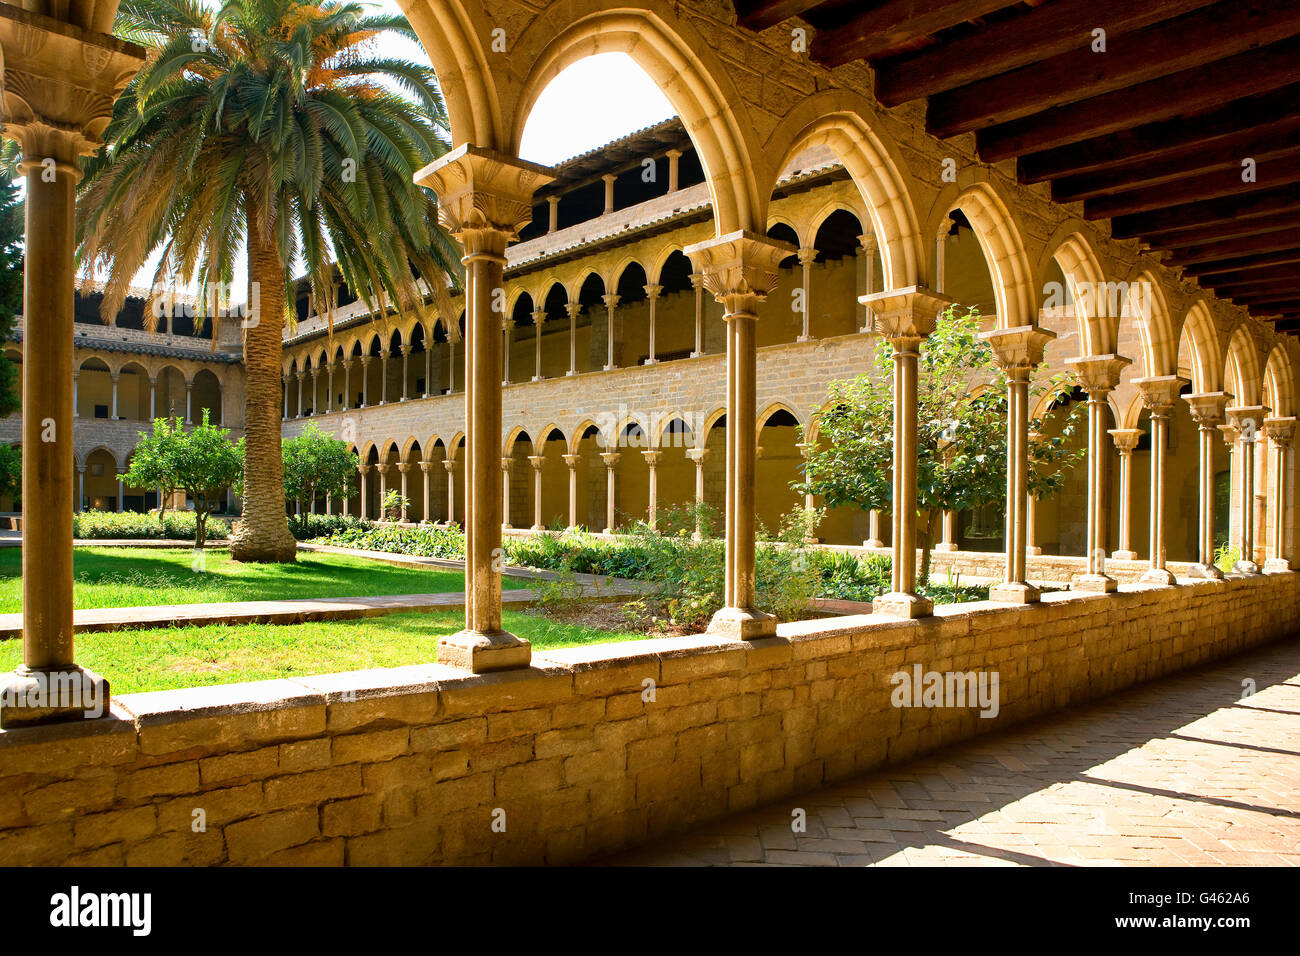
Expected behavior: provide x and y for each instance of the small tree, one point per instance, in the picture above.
(203, 462)
(208, 463)
(11, 472)
(394, 504)
(316, 463)
(154, 461)
(961, 433)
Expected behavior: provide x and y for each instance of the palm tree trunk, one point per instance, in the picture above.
(263, 532)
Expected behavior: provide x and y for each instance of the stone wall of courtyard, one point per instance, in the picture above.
(572, 758)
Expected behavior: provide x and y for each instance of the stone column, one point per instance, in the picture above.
(574, 309)
(329, 387)
(1281, 433)
(315, 383)
(652, 293)
(652, 459)
(301, 376)
(153, 399)
(1033, 546)
(610, 458)
(406, 373)
(572, 462)
(867, 253)
(538, 318)
(81, 488)
(506, 325)
(906, 317)
(697, 283)
(365, 380)
(361, 489)
(383, 376)
(805, 450)
(1018, 351)
(806, 256)
(347, 386)
(451, 365)
(449, 466)
(674, 156)
(537, 461)
(1126, 439)
(425, 468)
(609, 191)
(873, 530)
(1247, 421)
(941, 255)
(189, 403)
(740, 269)
(1159, 394)
(75, 378)
(1207, 412)
(1097, 375)
(507, 465)
(611, 302)
(115, 376)
(428, 364)
(948, 529)
(554, 203)
(403, 468)
(59, 82)
(284, 381)
(120, 476)
(698, 455)
(382, 470)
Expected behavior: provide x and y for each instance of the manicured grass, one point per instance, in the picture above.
(167, 658)
(140, 577)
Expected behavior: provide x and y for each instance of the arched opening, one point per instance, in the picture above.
(205, 395)
(779, 464)
(100, 486)
(631, 317)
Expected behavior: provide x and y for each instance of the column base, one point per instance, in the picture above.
(606, 530)
(608, 368)
(1205, 572)
(1123, 556)
(1277, 565)
(572, 371)
(1158, 576)
(402, 399)
(945, 546)
(31, 696)
(1015, 592)
(1246, 567)
(741, 624)
(901, 604)
(1034, 549)
(697, 355)
(535, 378)
(537, 527)
(873, 543)
(481, 653)
(1095, 583)
(650, 361)
(804, 338)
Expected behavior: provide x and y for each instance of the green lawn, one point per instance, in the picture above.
(139, 577)
(167, 658)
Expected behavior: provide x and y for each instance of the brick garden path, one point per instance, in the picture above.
(1182, 771)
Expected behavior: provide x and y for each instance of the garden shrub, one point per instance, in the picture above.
(427, 541)
(309, 526)
(175, 525)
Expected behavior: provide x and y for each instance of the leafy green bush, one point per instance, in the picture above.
(1226, 557)
(425, 541)
(309, 526)
(129, 524)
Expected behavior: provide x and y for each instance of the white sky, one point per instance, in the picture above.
(590, 103)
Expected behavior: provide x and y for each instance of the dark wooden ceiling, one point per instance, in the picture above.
(1151, 134)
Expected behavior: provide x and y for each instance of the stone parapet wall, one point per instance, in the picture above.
(572, 758)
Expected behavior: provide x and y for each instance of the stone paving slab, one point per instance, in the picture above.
(1183, 771)
(259, 612)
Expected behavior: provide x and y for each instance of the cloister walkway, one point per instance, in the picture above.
(1181, 771)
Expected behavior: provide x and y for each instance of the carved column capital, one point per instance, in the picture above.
(1098, 374)
(1160, 392)
(1126, 439)
(1207, 407)
(1018, 350)
(906, 316)
(484, 197)
(739, 269)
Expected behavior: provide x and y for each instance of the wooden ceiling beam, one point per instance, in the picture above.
(761, 14)
(1225, 229)
(1263, 203)
(1269, 174)
(1272, 242)
(889, 27)
(1189, 91)
(1261, 144)
(1172, 46)
(1009, 44)
(1240, 265)
(1251, 275)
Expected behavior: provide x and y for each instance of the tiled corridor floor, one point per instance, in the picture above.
(1182, 771)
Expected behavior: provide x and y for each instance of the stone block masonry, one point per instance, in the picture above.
(589, 751)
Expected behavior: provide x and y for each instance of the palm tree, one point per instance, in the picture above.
(275, 128)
